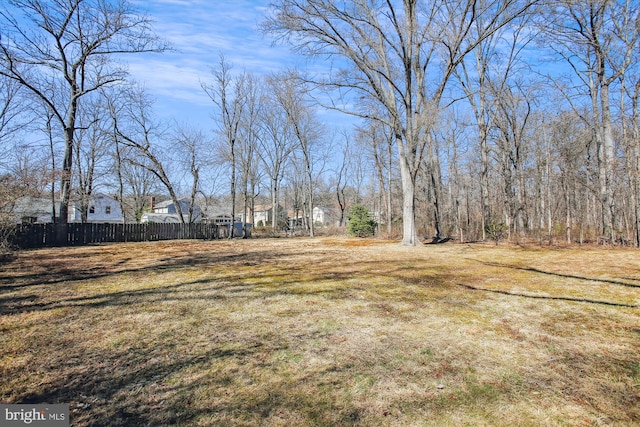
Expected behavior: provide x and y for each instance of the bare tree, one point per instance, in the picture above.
(276, 141)
(227, 94)
(190, 144)
(307, 133)
(598, 40)
(294, 184)
(135, 128)
(432, 180)
(248, 155)
(401, 55)
(12, 112)
(110, 101)
(64, 48)
(379, 141)
(570, 139)
(342, 174)
(514, 108)
(631, 132)
(454, 138)
(476, 91)
(12, 119)
(91, 149)
(491, 65)
(139, 183)
(49, 130)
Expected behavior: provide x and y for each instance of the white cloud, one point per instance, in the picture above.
(200, 31)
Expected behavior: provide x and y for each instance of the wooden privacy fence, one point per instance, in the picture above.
(39, 235)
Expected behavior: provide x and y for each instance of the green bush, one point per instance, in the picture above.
(496, 230)
(361, 224)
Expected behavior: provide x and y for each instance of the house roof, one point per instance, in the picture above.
(265, 208)
(160, 218)
(167, 203)
(163, 204)
(326, 210)
(212, 212)
(102, 197)
(33, 206)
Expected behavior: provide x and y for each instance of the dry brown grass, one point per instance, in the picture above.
(327, 331)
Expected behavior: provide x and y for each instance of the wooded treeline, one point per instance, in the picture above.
(469, 116)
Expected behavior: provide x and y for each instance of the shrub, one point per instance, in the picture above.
(496, 230)
(361, 224)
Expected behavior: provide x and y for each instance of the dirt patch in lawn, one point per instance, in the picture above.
(323, 331)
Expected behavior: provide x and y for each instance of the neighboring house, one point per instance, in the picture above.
(102, 209)
(264, 213)
(326, 216)
(168, 207)
(39, 210)
(159, 218)
(219, 215)
(322, 216)
(220, 219)
(30, 210)
(295, 219)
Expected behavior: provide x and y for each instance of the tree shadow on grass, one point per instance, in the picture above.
(160, 380)
(36, 290)
(555, 274)
(565, 276)
(149, 384)
(70, 270)
(219, 284)
(207, 288)
(138, 387)
(550, 298)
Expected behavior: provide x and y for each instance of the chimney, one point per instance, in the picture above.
(153, 203)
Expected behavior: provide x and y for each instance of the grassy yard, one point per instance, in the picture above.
(289, 332)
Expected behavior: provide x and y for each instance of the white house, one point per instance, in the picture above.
(168, 208)
(263, 214)
(159, 218)
(102, 209)
(34, 210)
(326, 216)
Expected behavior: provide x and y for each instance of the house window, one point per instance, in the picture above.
(107, 210)
(92, 209)
(29, 219)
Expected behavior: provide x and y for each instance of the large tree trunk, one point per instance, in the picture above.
(389, 191)
(435, 176)
(409, 233)
(636, 191)
(484, 177)
(633, 167)
(245, 204)
(312, 232)
(65, 182)
(274, 205)
(608, 200)
(67, 161)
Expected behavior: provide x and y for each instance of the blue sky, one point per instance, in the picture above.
(199, 31)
